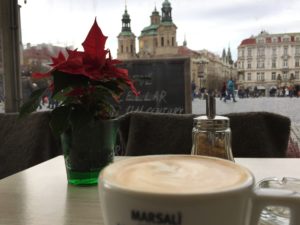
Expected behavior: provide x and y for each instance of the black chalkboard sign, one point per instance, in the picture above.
(164, 86)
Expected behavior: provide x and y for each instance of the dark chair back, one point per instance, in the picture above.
(25, 142)
(254, 134)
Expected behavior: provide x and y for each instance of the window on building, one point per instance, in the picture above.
(261, 51)
(249, 76)
(122, 49)
(126, 48)
(242, 64)
(131, 48)
(297, 39)
(249, 65)
(173, 41)
(273, 76)
(155, 42)
(260, 76)
(249, 50)
(297, 64)
(285, 63)
(273, 63)
(297, 75)
(162, 41)
(286, 39)
(274, 51)
(261, 41)
(243, 52)
(261, 64)
(285, 50)
(274, 39)
(284, 75)
(297, 50)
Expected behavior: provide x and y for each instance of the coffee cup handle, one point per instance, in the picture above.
(264, 197)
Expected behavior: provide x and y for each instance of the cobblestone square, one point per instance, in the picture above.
(285, 106)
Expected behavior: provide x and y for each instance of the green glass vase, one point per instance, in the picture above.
(88, 150)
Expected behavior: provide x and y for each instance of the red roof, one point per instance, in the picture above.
(249, 41)
(182, 50)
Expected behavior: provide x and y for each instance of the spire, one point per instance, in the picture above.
(155, 12)
(166, 11)
(155, 17)
(184, 42)
(126, 20)
(229, 57)
(224, 55)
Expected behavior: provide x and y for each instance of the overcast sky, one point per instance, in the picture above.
(207, 24)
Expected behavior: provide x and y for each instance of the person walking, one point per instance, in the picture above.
(193, 86)
(230, 89)
(223, 92)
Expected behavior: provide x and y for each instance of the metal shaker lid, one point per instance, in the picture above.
(217, 123)
(211, 121)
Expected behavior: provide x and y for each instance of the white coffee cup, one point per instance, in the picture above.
(185, 190)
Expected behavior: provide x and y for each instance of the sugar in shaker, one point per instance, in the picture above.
(211, 133)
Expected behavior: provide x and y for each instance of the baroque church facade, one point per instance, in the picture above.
(156, 40)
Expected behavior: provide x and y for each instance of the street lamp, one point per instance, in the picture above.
(201, 69)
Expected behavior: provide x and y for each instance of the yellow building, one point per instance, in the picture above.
(156, 40)
(159, 38)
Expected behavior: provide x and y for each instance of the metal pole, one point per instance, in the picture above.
(10, 36)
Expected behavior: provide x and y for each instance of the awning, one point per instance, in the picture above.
(261, 88)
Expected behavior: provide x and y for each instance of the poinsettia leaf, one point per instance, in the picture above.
(57, 60)
(59, 121)
(32, 104)
(94, 43)
(63, 81)
(80, 116)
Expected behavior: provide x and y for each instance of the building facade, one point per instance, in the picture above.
(156, 40)
(159, 40)
(268, 61)
(37, 58)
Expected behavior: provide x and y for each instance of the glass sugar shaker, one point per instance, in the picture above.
(211, 134)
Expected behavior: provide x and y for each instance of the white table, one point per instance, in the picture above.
(41, 196)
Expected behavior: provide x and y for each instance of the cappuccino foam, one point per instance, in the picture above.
(175, 174)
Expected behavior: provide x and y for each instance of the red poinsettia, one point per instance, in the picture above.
(86, 84)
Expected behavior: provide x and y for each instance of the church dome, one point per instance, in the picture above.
(166, 4)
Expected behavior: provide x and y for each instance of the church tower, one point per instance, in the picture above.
(166, 32)
(148, 39)
(126, 39)
(155, 17)
(166, 11)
